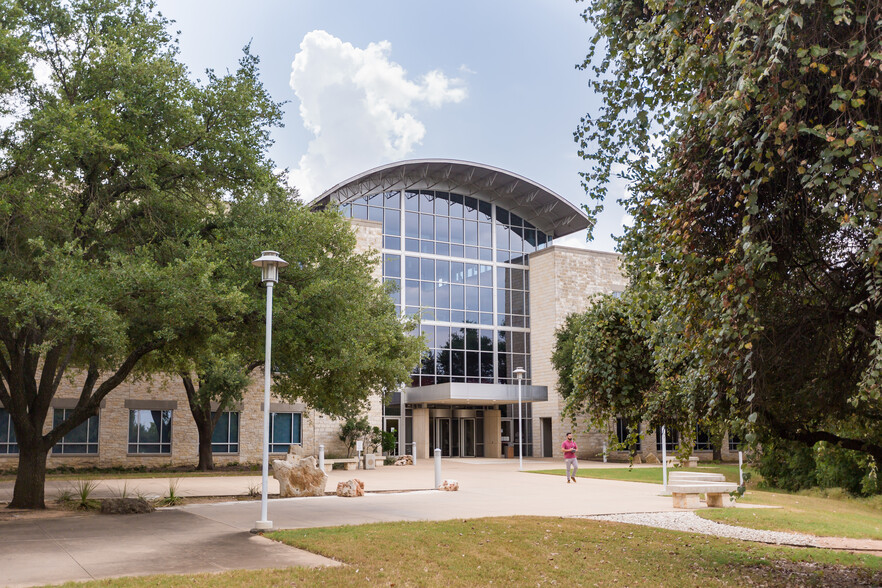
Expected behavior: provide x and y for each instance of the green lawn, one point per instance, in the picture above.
(533, 551)
(652, 475)
(814, 515)
(837, 516)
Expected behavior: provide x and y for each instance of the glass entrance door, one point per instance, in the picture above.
(442, 436)
(467, 439)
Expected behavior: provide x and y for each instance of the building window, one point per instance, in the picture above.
(734, 442)
(8, 444)
(83, 439)
(702, 441)
(225, 438)
(672, 439)
(623, 431)
(284, 431)
(150, 431)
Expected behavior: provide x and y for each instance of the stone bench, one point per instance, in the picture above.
(686, 493)
(681, 476)
(675, 461)
(349, 463)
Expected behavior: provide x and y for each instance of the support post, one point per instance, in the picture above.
(322, 457)
(740, 472)
(414, 452)
(664, 439)
(264, 524)
(437, 468)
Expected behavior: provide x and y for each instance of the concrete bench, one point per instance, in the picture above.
(349, 463)
(675, 461)
(681, 476)
(686, 493)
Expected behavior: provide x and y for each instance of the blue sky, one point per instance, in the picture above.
(374, 82)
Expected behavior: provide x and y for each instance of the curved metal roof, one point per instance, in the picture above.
(546, 210)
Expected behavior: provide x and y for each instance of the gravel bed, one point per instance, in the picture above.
(692, 523)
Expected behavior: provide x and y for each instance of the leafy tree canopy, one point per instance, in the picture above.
(109, 165)
(337, 339)
(750, 133)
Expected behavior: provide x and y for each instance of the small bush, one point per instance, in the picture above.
(795, 467)
(788, 466)
(82, 492)
(389, 460)
(173, 498)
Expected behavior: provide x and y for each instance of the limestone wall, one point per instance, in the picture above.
(562, 281)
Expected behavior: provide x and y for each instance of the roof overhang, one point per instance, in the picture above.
(546, 210)
(457, 393)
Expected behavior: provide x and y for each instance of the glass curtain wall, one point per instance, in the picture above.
(461, 264)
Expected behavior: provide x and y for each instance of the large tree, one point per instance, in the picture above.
(337, 339)
(751, 135)
(110, 159)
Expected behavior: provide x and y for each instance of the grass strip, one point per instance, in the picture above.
(525, 551)
(813, 515)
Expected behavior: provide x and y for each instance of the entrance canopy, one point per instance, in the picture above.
(474, 394)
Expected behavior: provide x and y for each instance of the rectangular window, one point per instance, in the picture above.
(622, 432)
(225, 438)
(702, 441)
(672, 439)
(83, 439)
(734, 443)
(8, 444)
(150, 431)
(284, 431)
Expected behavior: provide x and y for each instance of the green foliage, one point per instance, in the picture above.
(387, 440)
(354, 429)
(108, 171)
(173, 497)
(750, 134)
(793, 466)
(787, 465)
(82, 495)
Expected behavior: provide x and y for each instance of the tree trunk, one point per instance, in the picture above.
(30, 481)
(206, 430)
(718, 453)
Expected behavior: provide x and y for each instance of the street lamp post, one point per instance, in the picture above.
(269, 263)
(520, 373)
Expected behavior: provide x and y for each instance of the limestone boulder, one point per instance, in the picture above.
(125, 506)
(299, 476)
(449, 486)
(651, 458)
(404, 460)
(351, 488)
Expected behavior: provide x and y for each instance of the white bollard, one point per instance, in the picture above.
(414, 453)
(740, 473)
(322, 457)
(437, 468)
(664, 461)
(604, 453)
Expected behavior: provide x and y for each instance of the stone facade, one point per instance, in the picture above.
(562, 281)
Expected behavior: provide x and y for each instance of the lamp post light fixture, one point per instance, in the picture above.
(269, 263)
(520, 373)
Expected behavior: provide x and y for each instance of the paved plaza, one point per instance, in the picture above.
(215, 536)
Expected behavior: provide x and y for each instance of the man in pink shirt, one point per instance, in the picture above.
(569, 448)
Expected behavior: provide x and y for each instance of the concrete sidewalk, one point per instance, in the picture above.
(214, 537)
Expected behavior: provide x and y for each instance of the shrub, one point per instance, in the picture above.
(787, 465)
(792, 466)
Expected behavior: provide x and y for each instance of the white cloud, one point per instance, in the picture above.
(627, 220)
(360, 106)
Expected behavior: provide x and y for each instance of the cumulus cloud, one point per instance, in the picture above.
(360, 106)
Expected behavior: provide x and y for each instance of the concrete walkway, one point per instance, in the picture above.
(215, 537)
